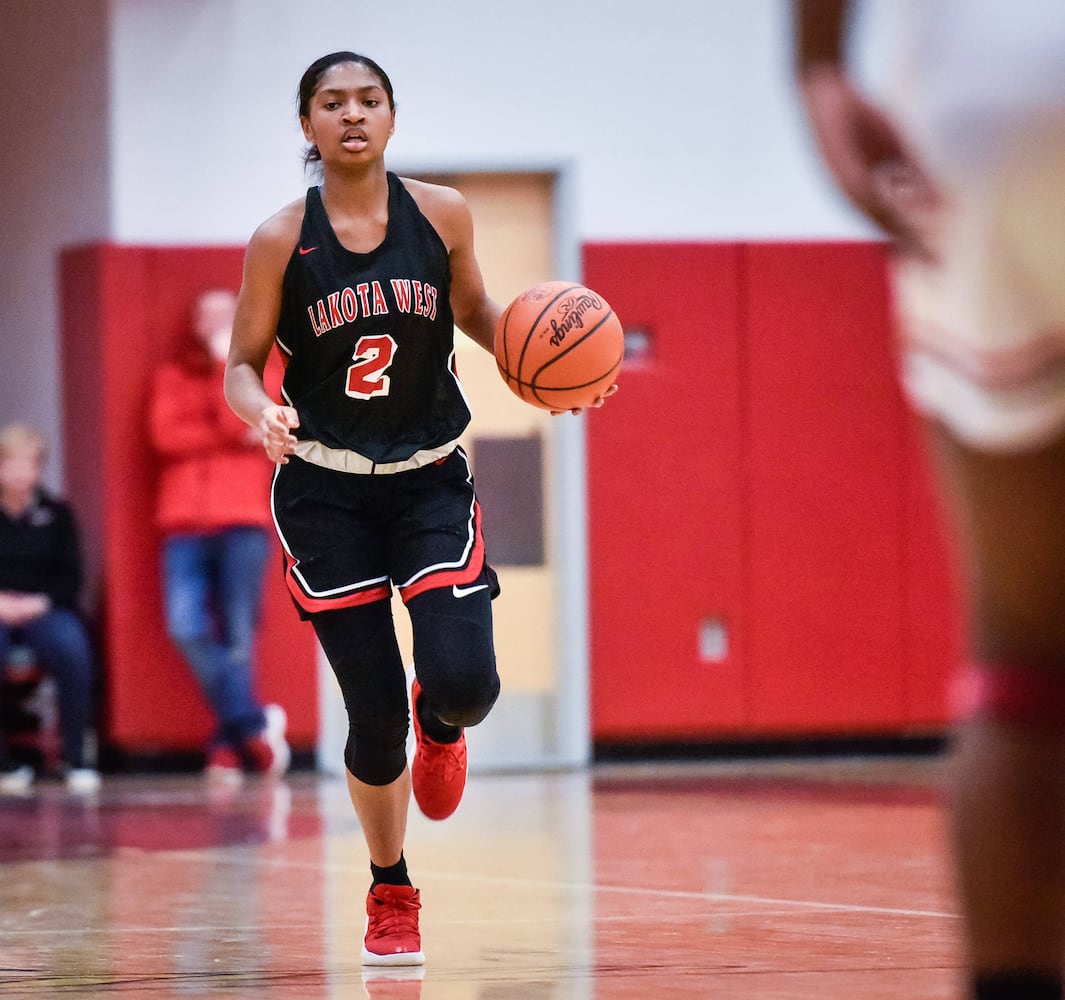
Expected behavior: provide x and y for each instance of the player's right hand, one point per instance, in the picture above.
(275, 423)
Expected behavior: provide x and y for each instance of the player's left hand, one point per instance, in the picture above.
(594, 404)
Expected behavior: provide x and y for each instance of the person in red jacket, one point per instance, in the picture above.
(212, 509)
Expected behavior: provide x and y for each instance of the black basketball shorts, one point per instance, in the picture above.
(348, 538)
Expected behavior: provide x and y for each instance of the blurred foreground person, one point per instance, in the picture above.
(965, 172)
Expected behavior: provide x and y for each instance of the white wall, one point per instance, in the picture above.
(678, 118)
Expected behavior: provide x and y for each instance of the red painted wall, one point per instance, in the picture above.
(824, 504)
(758, 468)
(665, 494)
(123, 311)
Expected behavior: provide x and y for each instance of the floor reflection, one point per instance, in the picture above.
(785, 879)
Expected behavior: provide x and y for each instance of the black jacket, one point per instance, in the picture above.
(40, 551)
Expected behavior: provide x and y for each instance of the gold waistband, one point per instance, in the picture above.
(342, 460)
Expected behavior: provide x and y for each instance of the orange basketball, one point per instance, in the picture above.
(559, 345)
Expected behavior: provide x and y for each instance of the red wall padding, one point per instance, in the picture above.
(825, 511)
(932, 608)
(123, 311)
(759, 467)
(666, 492)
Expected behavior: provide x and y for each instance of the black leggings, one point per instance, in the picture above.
(454, 660)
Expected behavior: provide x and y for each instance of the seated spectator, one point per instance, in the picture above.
(40, 579)
(213, 510)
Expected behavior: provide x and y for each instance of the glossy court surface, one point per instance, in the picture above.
(824, 879)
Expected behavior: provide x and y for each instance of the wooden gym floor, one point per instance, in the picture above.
(773, 879)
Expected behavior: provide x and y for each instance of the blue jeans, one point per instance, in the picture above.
(60, 643)
(212, 585)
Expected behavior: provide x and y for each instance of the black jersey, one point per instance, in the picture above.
(369, 337)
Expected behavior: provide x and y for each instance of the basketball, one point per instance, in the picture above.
(559, 345)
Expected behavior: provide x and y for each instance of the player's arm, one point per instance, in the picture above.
(475, 312)
(852, 135)
(861, 147)
(819, 28)
(258, 309)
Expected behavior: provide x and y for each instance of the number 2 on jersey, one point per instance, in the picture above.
(373, 356)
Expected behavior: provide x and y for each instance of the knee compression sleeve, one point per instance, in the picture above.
(454, 655)
(360, 644)
(375, 753)
(1011, 694)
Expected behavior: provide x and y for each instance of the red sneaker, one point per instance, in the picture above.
(392, 936)
(224, 766)
(268, 753)
(438, 772)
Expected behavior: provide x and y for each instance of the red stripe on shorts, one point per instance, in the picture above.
(448, 577)
(310, 603)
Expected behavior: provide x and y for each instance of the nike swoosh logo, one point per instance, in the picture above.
(304, 252)
(466, 591)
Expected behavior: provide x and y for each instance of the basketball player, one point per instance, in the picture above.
(361, 283)
(966, 173)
